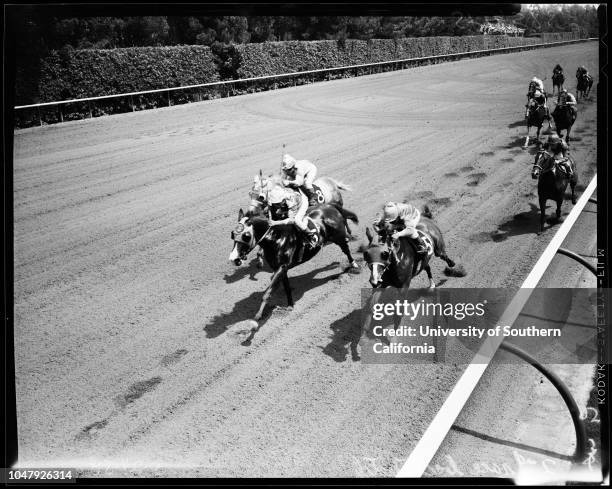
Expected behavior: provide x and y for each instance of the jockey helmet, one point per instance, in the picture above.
(288, 162)
(277, 195)
(535, 79)
(390, 211)
(553, 139)
(564, 91)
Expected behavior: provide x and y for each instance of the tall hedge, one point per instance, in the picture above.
(273, 58)
(72, 74)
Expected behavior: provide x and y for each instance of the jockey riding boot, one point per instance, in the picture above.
(421, 246)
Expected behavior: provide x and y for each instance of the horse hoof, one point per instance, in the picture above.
(354, 265)
(254, 324)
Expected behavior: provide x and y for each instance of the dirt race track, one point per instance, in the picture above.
(128, 314)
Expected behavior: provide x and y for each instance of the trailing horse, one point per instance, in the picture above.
(283, 246)
(535, 118)
(558, 79)
(396, 264)
(585, 82)
(552, 182)
(564, 117)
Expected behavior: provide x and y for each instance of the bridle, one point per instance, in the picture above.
(543, 170)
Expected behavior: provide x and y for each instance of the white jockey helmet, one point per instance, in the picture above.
(535, 79)
(391, 212)
(288, 162)
(277, 195)
(554, 138)
(564, 91)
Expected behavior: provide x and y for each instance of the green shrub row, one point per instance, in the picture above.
(273, 58)
(95, 72)
(88, 73)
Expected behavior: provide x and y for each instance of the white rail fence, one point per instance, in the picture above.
(428, 445)
(371, 67)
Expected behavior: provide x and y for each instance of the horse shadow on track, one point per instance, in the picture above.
(521, 223)
(246, 308)
(521, 123)
(347, 332)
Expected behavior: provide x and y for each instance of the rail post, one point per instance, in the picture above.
(581, 438)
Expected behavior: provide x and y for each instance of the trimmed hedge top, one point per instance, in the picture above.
(97, 72)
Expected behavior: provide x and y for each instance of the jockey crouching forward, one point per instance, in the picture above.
(300, 174)
(403, 219)
(538, 95)
(559, 150)
(296, 204)
(566, 99)
(581, 71)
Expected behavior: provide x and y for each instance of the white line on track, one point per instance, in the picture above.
(429, 444)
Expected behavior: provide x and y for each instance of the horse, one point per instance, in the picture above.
(552, 182)
(564, 117)
(536, 114)
(583, 88)
(396, 264)
(558, 78)
(283, 246)
(326, 189)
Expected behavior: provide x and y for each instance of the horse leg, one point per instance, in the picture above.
(542, 213)
(432, 284)
(260, 262)
(287, 288)
(343, 244)
(558, 212)
(527, 138)
(448, 261)
(266, 297)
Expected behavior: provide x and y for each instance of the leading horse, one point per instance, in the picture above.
(284, 248)
(552, 182)
(327, 191)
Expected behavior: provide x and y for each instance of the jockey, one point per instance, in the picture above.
(299, 174)
(581, 71)
(566, 99)
(557, 70)
(539, 95)
(559, 150)
(538, 83)
(403, 218)
(297, 204)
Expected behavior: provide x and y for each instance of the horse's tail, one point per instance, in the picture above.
(347, 214)
(340, 185)
(426, 212)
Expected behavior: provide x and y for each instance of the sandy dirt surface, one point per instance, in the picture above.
(127, 312)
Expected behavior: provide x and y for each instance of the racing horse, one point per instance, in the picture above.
(552, 182)
(558, 78)
(532, 92)
(396, 264)
(583, 88)
(536, 114)
(283, 246)
(564, 117)
(326, 189)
